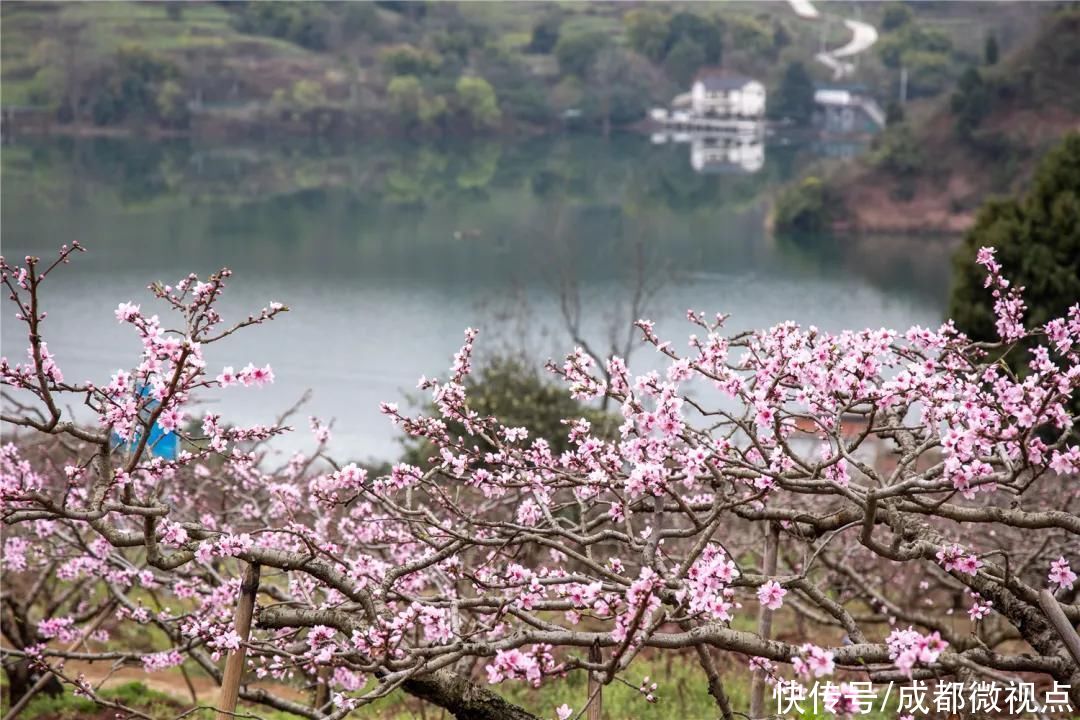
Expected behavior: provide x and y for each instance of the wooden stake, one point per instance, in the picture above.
(596, 701)
(765, 615)
(1061, 623)
(234, 665)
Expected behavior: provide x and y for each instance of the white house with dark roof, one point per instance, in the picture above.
(720, 94)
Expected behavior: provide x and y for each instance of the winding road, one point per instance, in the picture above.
(863, 36)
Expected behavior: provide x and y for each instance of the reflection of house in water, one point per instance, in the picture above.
(847, 111)
(732, 153)
(719, 152)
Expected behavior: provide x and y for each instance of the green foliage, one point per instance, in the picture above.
(707, 34)
(416, 108)
(577, 52)
(620, 87)
(807, 207)
(894, 113)
(545, 35)
(171, 103)
(684, 59)
(752, 36)
(308, 94)
(910, 39)
(519, 396)
(307, 100)
(990, 50)
(794, 98)
(897, 152)
(131, 86)
(477, 102)
(925, 52)
(896, 15)
(360, 18)
(307, 24)
(522, 95)
(408, 60)
(1037, 238)
(971, 102)
(929, 73)
(647, 33)
(68, 706)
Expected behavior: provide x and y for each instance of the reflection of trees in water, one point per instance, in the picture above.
(582, 167)
(475, 210)
(901, 264)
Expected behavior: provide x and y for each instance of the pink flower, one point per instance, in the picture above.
(564, 711)
(257, 376)
(954, 557)
(162, 660)
(171, 419)
(771, 595)
(814, 660)
(126, 312)
(227, 377)
(1061, 574)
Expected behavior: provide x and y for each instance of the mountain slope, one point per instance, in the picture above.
(931, 174)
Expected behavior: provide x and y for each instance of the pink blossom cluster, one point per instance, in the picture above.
(813, 661)
(909, 647)
(771, 595)
(955, 557)
(505, 545)
(531, 665)
(156, 662)
(1061, 575)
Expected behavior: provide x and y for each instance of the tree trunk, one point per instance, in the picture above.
(464, 699)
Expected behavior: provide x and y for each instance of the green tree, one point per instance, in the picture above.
(577, 52)
(171, 103)
(413, 105)
(896, 15)
(545, 35)
(794, 98)
(751, 36)
(306, 24)
(1037, 238)
(647, 33)
(478, 103)
(519, 396)
(707, 34)
(897, 152)
(405, 94)
(619, 88)
(807, 207)
(408, 60)
(128, 87)
(990, 51)
(971, 102)
(684, 60)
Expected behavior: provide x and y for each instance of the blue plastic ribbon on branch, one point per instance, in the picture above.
(161, 443)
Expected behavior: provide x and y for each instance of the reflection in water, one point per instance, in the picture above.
(720, 153)
(387, 252)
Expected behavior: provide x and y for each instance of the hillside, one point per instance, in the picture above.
(433, 68)
(931, 172)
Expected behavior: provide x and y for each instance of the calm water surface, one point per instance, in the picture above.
(386, 252)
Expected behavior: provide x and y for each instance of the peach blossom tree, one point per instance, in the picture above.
(788, 503)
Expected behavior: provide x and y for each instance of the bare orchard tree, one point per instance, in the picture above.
(901, 476)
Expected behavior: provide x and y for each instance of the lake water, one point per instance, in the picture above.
(387, 251)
